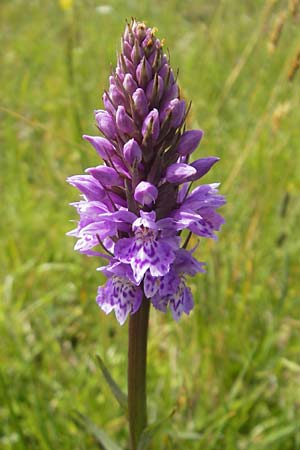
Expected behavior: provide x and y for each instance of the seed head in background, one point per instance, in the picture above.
(136, 205)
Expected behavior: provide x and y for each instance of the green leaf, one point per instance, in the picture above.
(115, 389)
(150, 431)
(98, 434)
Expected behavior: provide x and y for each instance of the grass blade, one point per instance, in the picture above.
(115, 389)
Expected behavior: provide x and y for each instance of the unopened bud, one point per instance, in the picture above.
(106, 123)
(145, 193)
(132, 152)
(125, 122)
(151, 125)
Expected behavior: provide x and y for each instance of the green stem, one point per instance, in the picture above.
(137, 364)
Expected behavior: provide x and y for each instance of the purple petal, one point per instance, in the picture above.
(88, 186)
(160, 303)
(166, 72)
(140, 102)
(129, 83)
(120, 167)
(143, 73)
(86, 242)
(203, 196)
(124, 249)
(106, 123)
(176, 108)
(189, 141)
(157, 256)
(132, 151)
(126, 48)
(120, 73)
(171, 93)
(102, 146)
(118, 268)
(196, 224)
(107, 176)
(108, 105)
(202, 166)
(129, 67)
(155, 89)
(121, 296)
(186, 263)
(181, 302)
(210, 216)
(121, 216)
(147, 220)
(137, 53)
(145, 193)
(182, 193)
(104, 298)
(179, 173)
(151, 126)
(124, 121)
(101, 228)
(90, 209)
(151, 285)
(169, 283)
(116, 95)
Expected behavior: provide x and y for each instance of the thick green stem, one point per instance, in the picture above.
(137, 364)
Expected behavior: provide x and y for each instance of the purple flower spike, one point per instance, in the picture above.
(145, 193)
(134, 207)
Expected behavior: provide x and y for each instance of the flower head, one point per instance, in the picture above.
(137, 204)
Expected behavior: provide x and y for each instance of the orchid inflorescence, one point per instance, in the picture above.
(137, 204)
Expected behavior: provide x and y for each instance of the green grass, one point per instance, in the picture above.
(232, 368)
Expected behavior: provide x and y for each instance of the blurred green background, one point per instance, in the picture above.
(231, 369)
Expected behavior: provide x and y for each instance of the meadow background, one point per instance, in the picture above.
(231, 369)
